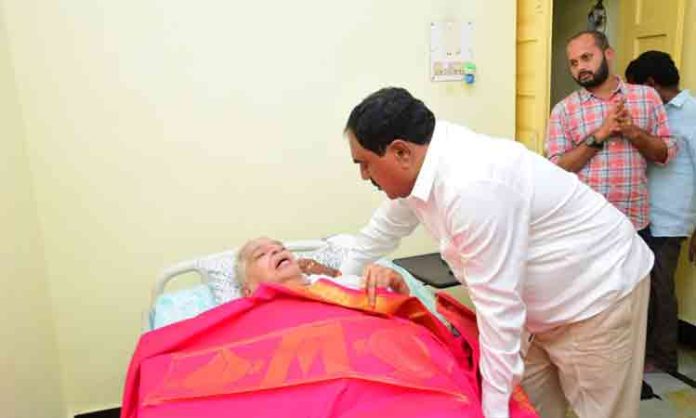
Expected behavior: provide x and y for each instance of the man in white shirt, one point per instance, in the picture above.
(539, 251)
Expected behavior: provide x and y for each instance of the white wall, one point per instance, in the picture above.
(29, 371)
(158, 130)
(569, 18)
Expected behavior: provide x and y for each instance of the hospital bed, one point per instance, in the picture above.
(184, 370)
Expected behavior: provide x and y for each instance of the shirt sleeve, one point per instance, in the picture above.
(690, 142)
(489, 225)
(557, 143)
(392, 221)
(660, 126)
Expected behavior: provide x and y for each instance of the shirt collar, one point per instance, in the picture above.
(426, 175)
(586, 95)
(679, 99)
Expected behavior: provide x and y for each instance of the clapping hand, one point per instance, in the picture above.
(627, 127)
(615, 119)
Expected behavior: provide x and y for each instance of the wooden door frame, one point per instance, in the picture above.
(542, 85)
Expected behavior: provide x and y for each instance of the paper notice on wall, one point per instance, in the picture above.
(451, 49)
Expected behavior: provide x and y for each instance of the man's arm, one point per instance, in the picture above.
(309, 267)
(489, 223)
(392, 221)
(557, 143)
(559, 147)
(656, 145)
(576, 159)
(653, 148)
(571, 158)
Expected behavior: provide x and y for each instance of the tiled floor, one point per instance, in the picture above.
(678, 398)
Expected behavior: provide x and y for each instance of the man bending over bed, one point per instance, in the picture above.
(264, 260)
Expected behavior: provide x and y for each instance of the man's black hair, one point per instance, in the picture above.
(388, 114)
(657, 65)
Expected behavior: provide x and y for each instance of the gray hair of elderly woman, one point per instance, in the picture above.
(241, 260)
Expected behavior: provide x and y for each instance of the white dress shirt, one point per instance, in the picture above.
(536, 247)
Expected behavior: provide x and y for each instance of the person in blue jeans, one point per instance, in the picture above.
(672, 191)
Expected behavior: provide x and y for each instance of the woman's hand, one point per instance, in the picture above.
(375, 276)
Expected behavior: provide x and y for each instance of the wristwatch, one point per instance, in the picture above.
(593, 142)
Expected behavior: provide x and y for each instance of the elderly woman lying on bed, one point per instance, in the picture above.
(312, 346)
(264, 260)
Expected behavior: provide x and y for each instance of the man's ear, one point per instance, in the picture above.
(610, 54)
(650, 82)
(402, 150)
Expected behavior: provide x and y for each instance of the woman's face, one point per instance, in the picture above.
(268, 261)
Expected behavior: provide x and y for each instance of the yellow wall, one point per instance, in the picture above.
(688, 65)
(158, 130)
(686, 275)
(29, 371)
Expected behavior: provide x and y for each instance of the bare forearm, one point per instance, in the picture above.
(576, 159)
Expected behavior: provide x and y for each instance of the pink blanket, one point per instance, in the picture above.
(315, 352)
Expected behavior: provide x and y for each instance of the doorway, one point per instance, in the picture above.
(569, 18)
(633, 26)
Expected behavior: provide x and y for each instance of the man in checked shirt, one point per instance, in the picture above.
(608, 130)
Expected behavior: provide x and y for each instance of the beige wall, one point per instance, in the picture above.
(569, 18)
(159, 130)
(686, 276)
(29, 372)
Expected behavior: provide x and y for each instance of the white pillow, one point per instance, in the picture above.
(220, 277)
